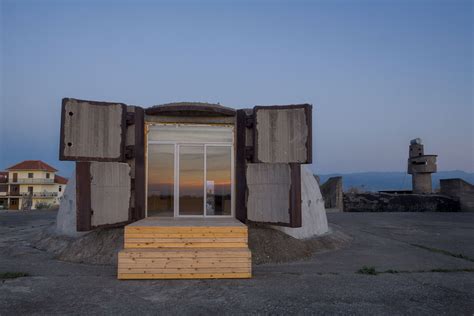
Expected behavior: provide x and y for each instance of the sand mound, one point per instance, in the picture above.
(101, 246)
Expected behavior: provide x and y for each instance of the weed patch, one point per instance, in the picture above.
(444, 252)
(12, 275)
(367, 270)
(372, 271)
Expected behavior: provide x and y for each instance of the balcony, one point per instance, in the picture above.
(32, 181)
(43, 194)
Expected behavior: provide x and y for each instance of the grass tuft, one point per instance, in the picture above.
(444, 252)
(367, 270)
(12, 275)
(452, 270)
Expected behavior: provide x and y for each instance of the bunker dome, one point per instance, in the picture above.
(189, 163)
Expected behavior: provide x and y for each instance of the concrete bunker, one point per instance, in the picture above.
(189, 163)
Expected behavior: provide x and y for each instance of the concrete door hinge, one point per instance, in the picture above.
(249, 152)
(130, 119)
(129, 152)
(249, 121)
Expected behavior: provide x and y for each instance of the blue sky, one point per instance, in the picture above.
(378, 73)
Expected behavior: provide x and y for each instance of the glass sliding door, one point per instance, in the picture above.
(190, 170)
(191, 180)
(218, 180)
(160, 196)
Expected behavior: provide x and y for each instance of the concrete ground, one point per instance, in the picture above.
(429, 250)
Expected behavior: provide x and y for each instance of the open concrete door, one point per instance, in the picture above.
(283, 134)
(281, 143)
(92, 131)
(274, 194)
(106, 140)
(102, 194)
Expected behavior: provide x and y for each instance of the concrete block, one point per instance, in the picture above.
(313, 212)
(66, 217)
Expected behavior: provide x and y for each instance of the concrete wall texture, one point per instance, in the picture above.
(461, 190)
(313, 212)
(387, 202)
(333, 194)
(66, 218)
(421, 183)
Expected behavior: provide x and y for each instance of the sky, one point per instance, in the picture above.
(378, 73)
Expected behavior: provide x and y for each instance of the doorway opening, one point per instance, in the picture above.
(190, 170)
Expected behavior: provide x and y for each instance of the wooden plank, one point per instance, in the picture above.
(172, 265)
(240, 167)
(246, 275)
(296, 218)
(188, 221)
(188, 228)
(184, 230)
(184, 270)
(140, 172)
(83, 196)
(185, 240)
(189, 235)
(127, 260)
(185, 245)
(186, 253)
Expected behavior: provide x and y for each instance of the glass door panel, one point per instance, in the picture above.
(160, 199)
(191, 180)
(218, 180)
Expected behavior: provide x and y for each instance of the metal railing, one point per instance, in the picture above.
(39, 194)
(32, 181)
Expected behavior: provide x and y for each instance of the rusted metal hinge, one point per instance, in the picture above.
(129, 152)
(249, 121)
(130, 119)
(249, 152)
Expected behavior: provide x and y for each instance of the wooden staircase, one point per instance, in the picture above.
(185, 248)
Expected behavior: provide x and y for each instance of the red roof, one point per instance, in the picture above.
(60, 180)
(32, 165)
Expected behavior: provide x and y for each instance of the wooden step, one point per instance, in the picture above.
(184, 263)
(185, 248)
(186, 233)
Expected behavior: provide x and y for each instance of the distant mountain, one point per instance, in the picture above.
(377, 181)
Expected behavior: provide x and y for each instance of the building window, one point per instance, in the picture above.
(47, 176)
(30, 175)
(60, 188)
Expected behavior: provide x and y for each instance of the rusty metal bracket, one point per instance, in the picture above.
(249, 121)
(130, 118)
(249, 152)
(129, 152)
